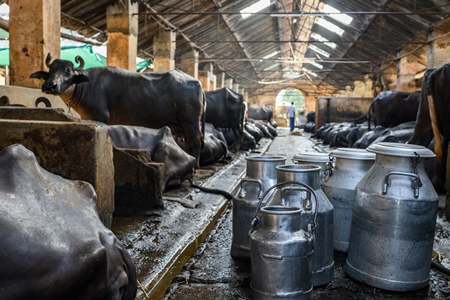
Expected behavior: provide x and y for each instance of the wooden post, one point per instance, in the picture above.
(122, 35)
(34, 31)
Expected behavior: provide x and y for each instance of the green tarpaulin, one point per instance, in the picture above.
(91, 58)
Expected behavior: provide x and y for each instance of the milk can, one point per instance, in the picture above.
(261, 174)
(317, 158)
(282, 251)
(394, 219)
(350, 165)
(323, 261)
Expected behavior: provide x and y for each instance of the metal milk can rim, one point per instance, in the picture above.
(299, 168)
(353, 153)
(281, 210)
(266, 158)
(398, 149)
(311, 157)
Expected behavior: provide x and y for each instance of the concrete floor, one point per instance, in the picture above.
(183, 251)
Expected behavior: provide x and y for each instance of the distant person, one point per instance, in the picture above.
(291, 114)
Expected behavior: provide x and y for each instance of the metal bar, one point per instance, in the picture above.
(310, 42)
(296, 14)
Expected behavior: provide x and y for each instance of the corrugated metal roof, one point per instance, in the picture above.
(237, 46)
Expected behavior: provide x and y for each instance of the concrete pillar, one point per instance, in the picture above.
(406, 72)
(207, 77)
(122, 35)
(229, 83)
(189, 63)
(348, 91)
(34, 31)
(439, 50)
(359, 89)
(164, 45)
(310, 104)
(246, 97)
(369, 87)
(241, 91)
(235, 87)
(221, 80)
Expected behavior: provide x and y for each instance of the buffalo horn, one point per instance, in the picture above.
(80, 61)
(48, 59)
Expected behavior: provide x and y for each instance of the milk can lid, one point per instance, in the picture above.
(353, 153)
(316, 157)
(399, 149)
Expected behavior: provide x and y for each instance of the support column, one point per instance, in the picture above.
(235, 87)
(359, 89)
(207, 78)
(122, 35)
(369, 87)
(34, 31)
(164, 45)
(439, 50)
(229, 83)
(406, 72)
(189, 63)
(221, 80)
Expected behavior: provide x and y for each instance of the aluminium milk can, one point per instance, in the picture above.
(282, 251)
(350, 165)
(394, 220)
(317, 158)
(261, 174)
(323, 260)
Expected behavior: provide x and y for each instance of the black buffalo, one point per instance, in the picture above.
(214, 150)
(118, 97)
(263, 113)
(53, 244)
(225, 109)
(435, 91)
(435, 101)
(248, 141)
(254, 131)
(267, 132)
(178, 165)
(390, 108)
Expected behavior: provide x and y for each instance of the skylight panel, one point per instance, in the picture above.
(320, 38)
(309, 72)
(271, 67)
(254, 8)
(320, 51)
(271, 55)
(335, 14)
(318, 66)
(330, 26)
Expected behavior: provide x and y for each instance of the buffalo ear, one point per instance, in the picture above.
(79, 78)
(40, 74)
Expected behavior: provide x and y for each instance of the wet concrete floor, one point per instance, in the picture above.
(183, 251)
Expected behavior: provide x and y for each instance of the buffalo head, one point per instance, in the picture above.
(61, 75)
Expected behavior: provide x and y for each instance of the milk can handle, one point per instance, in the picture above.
(415, 183)
(255, 219)
(258, 181)
(329, 167)
(307, 205)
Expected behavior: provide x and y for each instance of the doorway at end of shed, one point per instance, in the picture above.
(284, 99)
